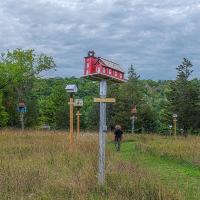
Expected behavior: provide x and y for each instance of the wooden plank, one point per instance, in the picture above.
(104, 100)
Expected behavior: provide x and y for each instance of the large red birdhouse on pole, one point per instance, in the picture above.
(97, 68)
(102, 70)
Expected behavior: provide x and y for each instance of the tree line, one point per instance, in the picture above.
(47, 99)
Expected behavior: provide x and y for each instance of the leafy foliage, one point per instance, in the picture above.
(47, 100)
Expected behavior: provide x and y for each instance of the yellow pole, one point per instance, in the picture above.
(71, 126)
(78, 124)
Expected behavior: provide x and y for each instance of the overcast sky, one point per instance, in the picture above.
(153, 35)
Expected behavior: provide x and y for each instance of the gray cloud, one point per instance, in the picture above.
(153, 36)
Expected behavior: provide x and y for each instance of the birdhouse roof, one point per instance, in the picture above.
(111, 64)
(71, 88)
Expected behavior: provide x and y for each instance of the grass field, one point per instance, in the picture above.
(42, 166)
(173, 161)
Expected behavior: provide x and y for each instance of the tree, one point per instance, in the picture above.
(127, 95)
(184, 70)
(3, 114)
(184, 96)
(132, 73)
(19, 70)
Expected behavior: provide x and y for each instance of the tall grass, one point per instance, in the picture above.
(42, 165)
(180, 148)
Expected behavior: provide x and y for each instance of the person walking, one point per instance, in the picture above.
(118, 137)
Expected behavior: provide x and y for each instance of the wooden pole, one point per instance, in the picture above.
(175, 127)
(102, 133)
(71, 124)
(78, 123)
(133, 124)
(22, 120)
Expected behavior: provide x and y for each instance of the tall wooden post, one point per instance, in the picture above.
(22, 120)
(133, 124)
(71, 124)
(133, 117)
(174, 121)
(102, 132)
(175, 127)
(71, 88)
(78, 123)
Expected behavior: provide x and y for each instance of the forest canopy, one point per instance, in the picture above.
(47, 100)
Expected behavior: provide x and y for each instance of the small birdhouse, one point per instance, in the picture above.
(71, 88)
(175, 116)
(78, 103)
(97, 68)
(21, 104)
(22, 107)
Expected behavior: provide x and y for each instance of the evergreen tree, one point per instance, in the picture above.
(132, 75)
(184, 96)
(127, 95)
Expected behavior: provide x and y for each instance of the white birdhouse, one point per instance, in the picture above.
(71, 88)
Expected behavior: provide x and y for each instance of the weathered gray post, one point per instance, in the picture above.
(102, 132)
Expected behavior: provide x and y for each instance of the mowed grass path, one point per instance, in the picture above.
(181, 177)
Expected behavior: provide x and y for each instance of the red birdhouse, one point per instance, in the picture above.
(97, 68)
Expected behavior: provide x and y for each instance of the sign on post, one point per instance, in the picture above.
(104, 100)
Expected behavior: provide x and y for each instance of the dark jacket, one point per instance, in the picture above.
(118, 133)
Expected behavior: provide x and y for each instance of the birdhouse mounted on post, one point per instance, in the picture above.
(71, 89)
(97, 68)
(104, 71)
(22, 109)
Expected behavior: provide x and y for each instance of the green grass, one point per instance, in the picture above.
(179, 176)
(43, 166)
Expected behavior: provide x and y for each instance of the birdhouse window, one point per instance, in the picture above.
(115, 73)
(110, 71)
(104, 70)
(120, 75)
(98, 70)
(88, 64)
